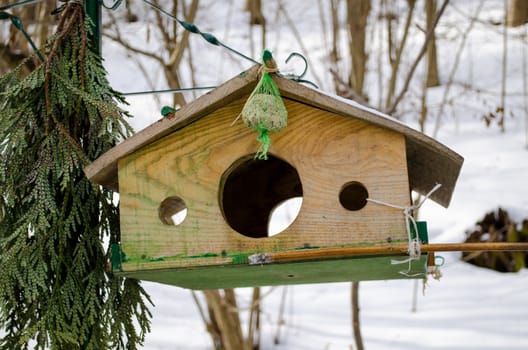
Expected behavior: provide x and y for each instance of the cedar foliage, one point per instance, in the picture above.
(55, 289)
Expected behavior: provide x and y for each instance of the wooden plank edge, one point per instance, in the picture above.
(393, 249)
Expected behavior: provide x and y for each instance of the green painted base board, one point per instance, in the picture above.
(337, 270)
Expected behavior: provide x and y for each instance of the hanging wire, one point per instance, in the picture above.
(210, 38)
(18, 25)
(168, 90)
(18, 4)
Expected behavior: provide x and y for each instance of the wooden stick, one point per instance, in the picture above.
(393, 249)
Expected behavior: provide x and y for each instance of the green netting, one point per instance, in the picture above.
(265, 112)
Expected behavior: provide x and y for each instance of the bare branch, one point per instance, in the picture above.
(350, 93)
(127, 46)
(395, 63)
(454, 68)
(298, 37)
(425, 45)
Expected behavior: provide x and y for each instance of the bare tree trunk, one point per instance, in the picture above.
(432, 64)
(225, 323)
(517, 13)
(356, 329)
(357, 15)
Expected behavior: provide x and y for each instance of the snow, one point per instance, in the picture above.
(469, 307)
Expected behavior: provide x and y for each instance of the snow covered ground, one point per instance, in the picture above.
(469, 308)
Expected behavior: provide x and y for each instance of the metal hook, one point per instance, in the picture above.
(299, 78)
(305, 63)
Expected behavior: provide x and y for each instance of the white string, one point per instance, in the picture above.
(414, 249)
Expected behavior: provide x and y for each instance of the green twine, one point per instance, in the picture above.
(264, 110)
(264, 140)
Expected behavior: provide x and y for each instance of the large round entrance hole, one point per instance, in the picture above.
(172, 211)
(353, 196)
(260, 198)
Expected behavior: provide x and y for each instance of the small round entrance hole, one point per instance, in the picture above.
(353, 196)
(260, 198)
(172, 211)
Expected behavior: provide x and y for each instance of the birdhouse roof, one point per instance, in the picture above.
(428, 161)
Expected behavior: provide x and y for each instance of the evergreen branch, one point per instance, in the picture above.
(55, 287)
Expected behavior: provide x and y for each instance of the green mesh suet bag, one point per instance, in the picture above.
(264, 110)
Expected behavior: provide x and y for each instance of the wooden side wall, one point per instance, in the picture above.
(327, 151)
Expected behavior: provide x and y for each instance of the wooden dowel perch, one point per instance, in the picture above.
(332, 253)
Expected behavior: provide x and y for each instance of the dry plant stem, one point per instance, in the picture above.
(199, 306)
(119, 39)
(346, 90)
(395, 64)
(525, 87)
(322, 20)
(380, 72)
(161, 26)
(504, 67)
(356, 329)
(280, 317)
(423, 50)
(146, 75)
(453, 70)
(298, 37)
(254, 321)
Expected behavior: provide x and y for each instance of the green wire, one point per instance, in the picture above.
(18, 24)
(210, 38)
(21, 3)
(167, 90)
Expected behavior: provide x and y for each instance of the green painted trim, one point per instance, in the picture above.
(327, 271)
(238, 273)
(242, 257)
(117, 257)
(423, 235)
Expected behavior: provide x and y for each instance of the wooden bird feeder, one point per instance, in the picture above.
(195, 204)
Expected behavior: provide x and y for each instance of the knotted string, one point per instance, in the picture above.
(414, 249)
